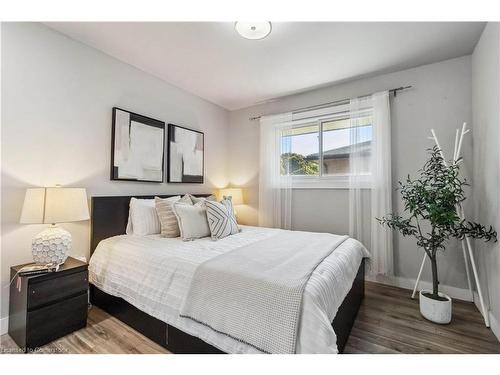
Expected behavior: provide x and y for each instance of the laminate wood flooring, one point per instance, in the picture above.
(389, 321)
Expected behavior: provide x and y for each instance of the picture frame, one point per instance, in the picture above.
(186, 155)
(137, 147)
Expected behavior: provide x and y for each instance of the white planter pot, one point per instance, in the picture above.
(435, 311)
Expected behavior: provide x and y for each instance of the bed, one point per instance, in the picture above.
(143, 281)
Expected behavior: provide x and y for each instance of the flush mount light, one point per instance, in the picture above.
(253, 30)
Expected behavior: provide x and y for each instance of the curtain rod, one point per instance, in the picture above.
(338, 102)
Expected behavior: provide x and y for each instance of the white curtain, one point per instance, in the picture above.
(370, 188)
(275, 189)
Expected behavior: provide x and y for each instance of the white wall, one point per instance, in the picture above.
(440, 99)
(486, 129)
(57, 96)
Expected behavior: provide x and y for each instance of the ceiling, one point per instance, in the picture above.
(211, 60)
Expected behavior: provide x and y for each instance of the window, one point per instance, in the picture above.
(299, 146)
(337, 145)
(316, 153)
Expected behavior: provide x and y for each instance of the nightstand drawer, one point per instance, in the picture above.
(54, 321)
(52, 290)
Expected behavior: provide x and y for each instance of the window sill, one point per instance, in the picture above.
(331, 182)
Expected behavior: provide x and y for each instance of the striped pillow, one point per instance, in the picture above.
(221, 219)
(168, 221)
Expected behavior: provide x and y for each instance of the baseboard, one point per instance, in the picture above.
(494, 323)
(477, 302)
(4, 325)
(402, 282)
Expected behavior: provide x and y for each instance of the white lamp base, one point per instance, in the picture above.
(51, 245)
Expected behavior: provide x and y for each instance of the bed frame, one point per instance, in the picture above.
(109, 218)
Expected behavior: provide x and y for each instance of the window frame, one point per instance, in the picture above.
(339, 181)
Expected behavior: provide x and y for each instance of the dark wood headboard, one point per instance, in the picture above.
(110, 215)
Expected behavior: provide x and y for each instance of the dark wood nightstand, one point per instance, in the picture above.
(48, 306)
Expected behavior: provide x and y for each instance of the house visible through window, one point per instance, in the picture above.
(337, 145)
(322, 148)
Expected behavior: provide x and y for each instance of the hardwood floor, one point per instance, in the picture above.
(104, 334)
(388, 322)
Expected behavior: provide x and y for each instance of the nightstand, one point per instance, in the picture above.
(48, 306)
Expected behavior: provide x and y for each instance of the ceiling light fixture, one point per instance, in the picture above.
(253, 30)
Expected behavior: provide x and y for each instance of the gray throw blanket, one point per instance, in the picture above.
(254, 293)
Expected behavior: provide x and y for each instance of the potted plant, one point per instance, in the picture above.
(431, 203)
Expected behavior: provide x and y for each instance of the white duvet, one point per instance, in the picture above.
(154, 274)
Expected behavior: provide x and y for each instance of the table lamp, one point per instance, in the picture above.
(52, 206)
(236, 195)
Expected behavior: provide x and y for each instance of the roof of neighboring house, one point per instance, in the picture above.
(344, 152)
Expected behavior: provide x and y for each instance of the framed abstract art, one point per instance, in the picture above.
(185, 155)
(137, 147)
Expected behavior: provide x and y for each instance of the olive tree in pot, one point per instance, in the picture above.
(431, 205)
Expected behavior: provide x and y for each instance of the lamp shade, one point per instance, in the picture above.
(236, 195)
(54, 205)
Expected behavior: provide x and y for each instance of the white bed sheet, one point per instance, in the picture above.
(154, 273)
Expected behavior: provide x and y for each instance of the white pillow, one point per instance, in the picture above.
(202, 199)
(143, 218)
(130, 228)
(192, 220)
